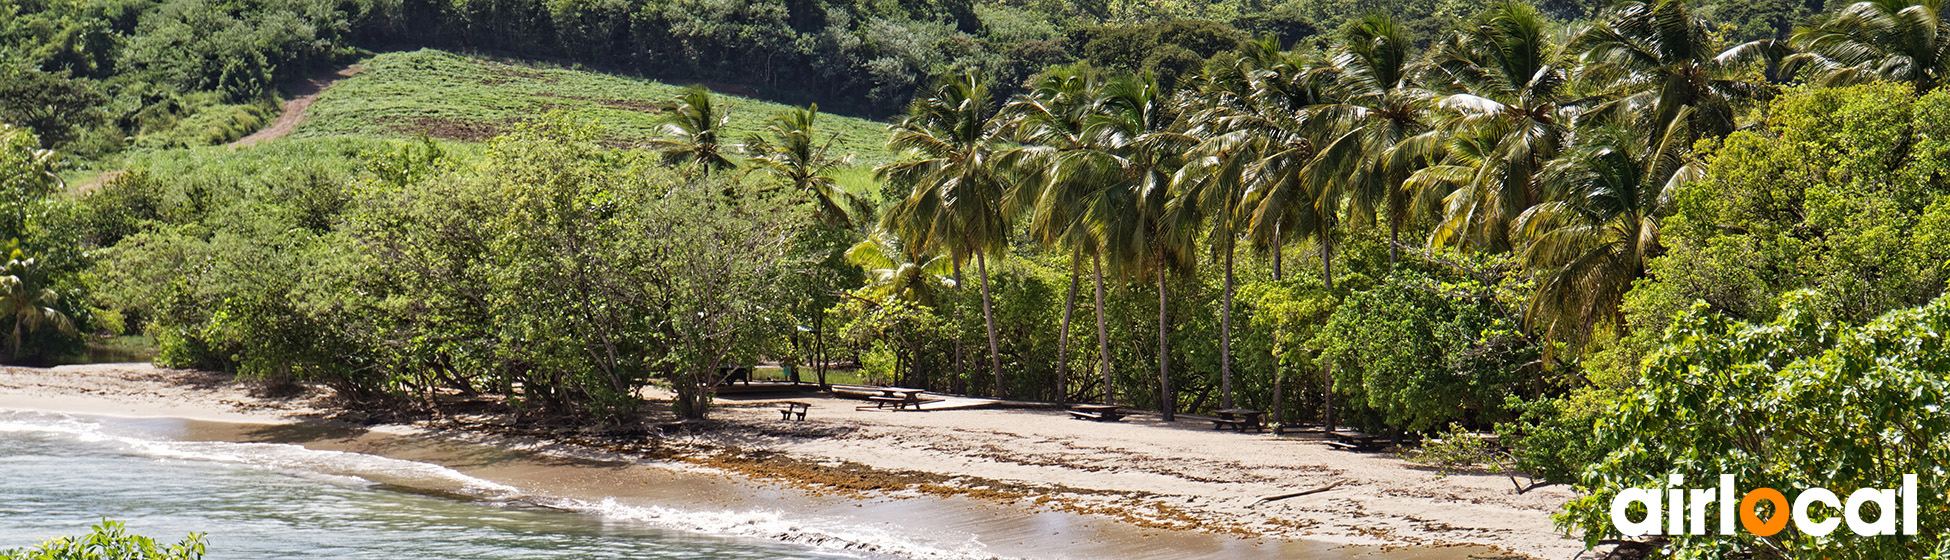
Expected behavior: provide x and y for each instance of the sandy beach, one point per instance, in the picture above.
(1111, 483)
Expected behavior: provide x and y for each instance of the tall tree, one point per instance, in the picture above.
(957, 183)
(1895, 40)
(1504, 121)
(791, 151)
(1590, 242)
(1656, 62)
(1051, 119)
(1130, 159)
(693, 132)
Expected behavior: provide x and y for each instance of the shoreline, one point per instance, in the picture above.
(1006, 475)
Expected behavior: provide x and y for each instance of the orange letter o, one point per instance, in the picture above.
(1751, 520)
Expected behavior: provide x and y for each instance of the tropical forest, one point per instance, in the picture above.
(1622, 242)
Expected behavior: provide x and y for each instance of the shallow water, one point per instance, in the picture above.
(306, 491)
(276, 501)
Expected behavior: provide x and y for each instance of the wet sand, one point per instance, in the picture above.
(980, 483)
(941, 524)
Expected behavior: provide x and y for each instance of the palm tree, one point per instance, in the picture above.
(1379, 107)
(1505, 121)
(900, 269)
(1896, 40)
(1261, 120)
(906, 272)
(957, 183)
(30, 304)
(793, 154)
(1130, 158)
(1591, 241)
(1656, 62)
(1212, 185)
(693, 132)
(1050, 120)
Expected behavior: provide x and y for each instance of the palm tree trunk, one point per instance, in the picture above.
(1165, 404)
(1225, 333)
(1279, 246)
(961, 360)
(988, 316)
(1394, 241)
(1327, 259)
(1327, 400)
(1103, 336)
(1279, 400)
(1063, 338)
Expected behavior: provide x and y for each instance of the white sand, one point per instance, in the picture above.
(1181, 474)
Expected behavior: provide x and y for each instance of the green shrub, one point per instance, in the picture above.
(109, 540)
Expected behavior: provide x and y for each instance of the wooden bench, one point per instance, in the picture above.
(793, 408)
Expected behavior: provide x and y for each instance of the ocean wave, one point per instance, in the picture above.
(334, 466)
(774, 525)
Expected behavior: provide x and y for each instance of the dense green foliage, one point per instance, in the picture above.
(549, 270)
(1793, 403)
(1593, 230)
(91, 76)
(109, 540)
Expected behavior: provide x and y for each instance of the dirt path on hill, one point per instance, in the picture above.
(294, 110)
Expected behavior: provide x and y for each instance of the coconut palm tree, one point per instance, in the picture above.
(901, 269)
(957, 183)
(1506, 119)
(693, 132)
(28, 302)
(1050, 120)
(1591, 240)
(1895, 40)
(1378, 107)
(791, 151)
(1130, 158)
(1656, 62)
(1260, 119)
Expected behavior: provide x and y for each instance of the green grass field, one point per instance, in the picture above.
(457, 97)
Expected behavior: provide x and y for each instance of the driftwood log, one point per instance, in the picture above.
(1278, 497)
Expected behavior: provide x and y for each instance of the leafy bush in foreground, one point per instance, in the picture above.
(1791, 404)
(109, 540)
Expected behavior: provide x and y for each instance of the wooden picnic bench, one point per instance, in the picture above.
(793, 408)
(1360, 441)
(1097, 412)
(1240, 419)
(900, 397)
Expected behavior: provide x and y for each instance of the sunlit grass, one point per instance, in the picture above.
(453, 96)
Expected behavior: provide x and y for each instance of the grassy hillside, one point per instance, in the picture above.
(456, 97)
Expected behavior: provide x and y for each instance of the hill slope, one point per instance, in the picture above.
(457, 97)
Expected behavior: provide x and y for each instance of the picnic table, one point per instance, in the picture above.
(1241, 419)
(900, 397)
(788, 409)
(1358, 441)
(1097, 412)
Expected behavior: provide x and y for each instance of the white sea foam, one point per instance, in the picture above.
(773, 525)
(335, 466)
